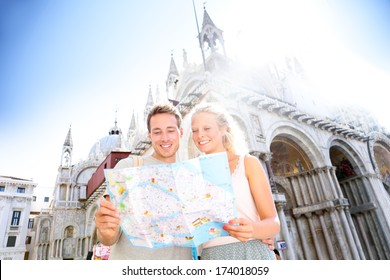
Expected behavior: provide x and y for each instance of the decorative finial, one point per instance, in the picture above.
(116, 115)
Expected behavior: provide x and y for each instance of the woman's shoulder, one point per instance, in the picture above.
(251, 162)
(250, 158)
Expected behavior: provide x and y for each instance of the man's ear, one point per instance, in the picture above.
(181, 132)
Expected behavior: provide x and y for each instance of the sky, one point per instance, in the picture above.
(84, 63)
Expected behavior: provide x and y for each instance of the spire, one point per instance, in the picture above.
(132, 122)
(132, 131)
(211, 36)
(207, 20)
(172, 67)
(172, 79)
(68, 140)
(173, 74)
(149, 102)
(67, 148)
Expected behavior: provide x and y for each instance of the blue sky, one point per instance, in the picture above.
(76, 62)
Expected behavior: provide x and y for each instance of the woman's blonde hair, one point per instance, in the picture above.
(233, 138)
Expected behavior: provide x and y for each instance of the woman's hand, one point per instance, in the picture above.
(240, 228)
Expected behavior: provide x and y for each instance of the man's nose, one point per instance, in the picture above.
(164, 136)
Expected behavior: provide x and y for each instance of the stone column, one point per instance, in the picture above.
(375, 232)
(61, 241)
(284, 230)
(328, 241)
(318, 188)
(316, 241)
(323, 186)
(339, 236)
(313, 198)
(303, 237)
(266, 157)
(349, 235)
(359, 218)
(295, 190)
(302, 191)
(336, 182)
(335, 193)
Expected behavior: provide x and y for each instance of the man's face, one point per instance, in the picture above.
(165, 136)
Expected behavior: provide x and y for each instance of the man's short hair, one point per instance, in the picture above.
(164, 108)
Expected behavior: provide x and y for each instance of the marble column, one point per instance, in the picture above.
(303, 237)
(316, 241)
(328, 241)
(284, 230)
(339, 235)
(266, 157)
(323, 186)
(354, 234)
(348, 234)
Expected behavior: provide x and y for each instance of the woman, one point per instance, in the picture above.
(212, 132)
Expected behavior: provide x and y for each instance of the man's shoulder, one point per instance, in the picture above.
(130, 161)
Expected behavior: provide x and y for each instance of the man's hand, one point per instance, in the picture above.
(107, 223)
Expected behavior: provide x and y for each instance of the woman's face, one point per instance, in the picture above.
(206, 134)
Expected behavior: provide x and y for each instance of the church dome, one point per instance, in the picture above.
(112, 142)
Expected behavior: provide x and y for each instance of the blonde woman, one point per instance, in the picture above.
(213, 132)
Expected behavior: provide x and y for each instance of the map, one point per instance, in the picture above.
(180, 204)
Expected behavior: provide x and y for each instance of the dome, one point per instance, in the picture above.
(112, 142)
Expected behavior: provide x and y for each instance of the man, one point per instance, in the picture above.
(164, 130)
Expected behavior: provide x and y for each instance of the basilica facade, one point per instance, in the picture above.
(329, 170)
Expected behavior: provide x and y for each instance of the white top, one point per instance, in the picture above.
(246, 207)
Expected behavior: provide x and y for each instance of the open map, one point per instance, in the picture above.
(180, 204)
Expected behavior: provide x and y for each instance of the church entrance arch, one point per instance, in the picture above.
(294, 179)
(356, 187)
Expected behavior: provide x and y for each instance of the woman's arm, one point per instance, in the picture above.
(269, 225)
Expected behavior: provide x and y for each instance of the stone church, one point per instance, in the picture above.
(329, 170)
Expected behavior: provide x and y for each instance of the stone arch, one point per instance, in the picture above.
(379, 149)
(288, 157)
(299, 140)
(353, 177)
(338, 149)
